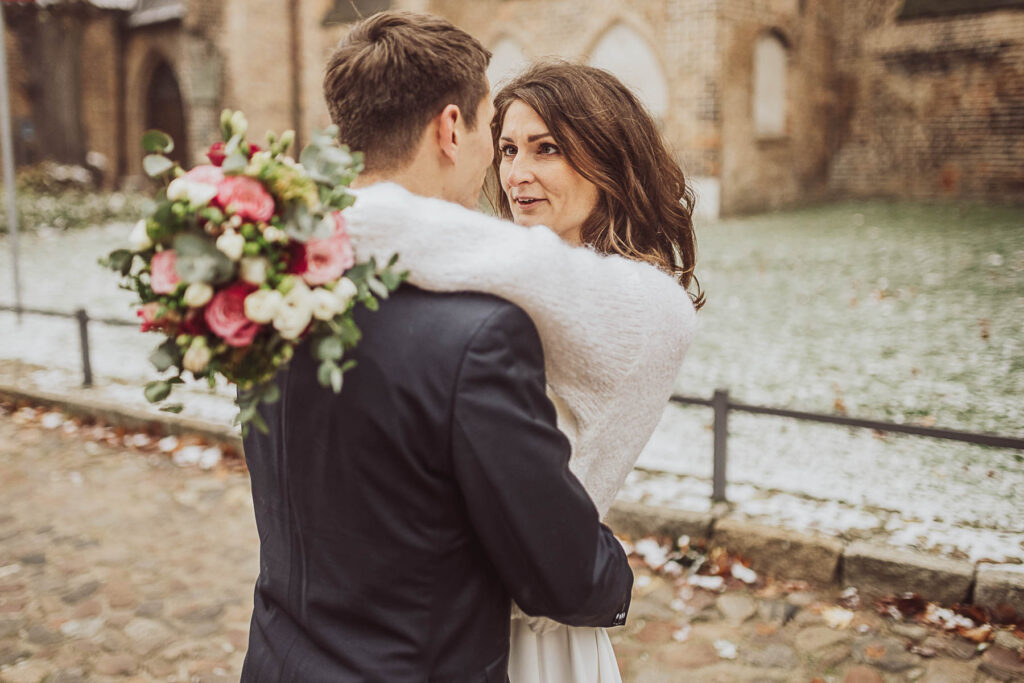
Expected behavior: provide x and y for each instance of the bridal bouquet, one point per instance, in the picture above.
(244, 258)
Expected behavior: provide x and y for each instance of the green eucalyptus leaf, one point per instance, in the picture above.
(324, 371)
(371, 303)
(173, 408)
(378, 288)
(199, 260)
(157, 141)
(390, 280)
(328, 348)
(157, 391)
(348, 365)
(165, 355)
(300, 223)
(272, 393)
(156, 165)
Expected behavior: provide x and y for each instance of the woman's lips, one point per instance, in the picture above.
(527, 203)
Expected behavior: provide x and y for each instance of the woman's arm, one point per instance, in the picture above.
(614, 331)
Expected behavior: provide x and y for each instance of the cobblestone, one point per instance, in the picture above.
(160, 562)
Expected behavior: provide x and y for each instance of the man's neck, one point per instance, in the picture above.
(421, 181)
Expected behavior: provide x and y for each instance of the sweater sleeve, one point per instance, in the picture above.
(613, 331)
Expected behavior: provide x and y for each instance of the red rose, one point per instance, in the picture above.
(246, 197)
(216, 153)
(327, 260)
(194, 322)
(163, 275)
(225, 314)
(253, 148)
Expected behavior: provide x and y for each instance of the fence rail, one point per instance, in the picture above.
(719, 402)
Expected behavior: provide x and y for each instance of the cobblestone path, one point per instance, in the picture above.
(117, 565)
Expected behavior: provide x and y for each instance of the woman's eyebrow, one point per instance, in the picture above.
(532, 138)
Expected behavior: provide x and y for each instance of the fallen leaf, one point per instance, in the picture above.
(874, 651)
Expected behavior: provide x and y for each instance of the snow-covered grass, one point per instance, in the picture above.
(902, 312)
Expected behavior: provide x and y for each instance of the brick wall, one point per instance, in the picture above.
(100, 96)
(760, 172)
(938, 105)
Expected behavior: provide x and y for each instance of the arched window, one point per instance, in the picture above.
(508, 59)
(626, 54)
(770, 56)
(165, 110)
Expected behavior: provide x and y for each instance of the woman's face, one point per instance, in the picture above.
(541, 187)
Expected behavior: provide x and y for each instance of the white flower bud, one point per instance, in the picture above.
(239, 125)
(325, 304)
(197, 357)
(296, 311)
(253, 269)
(139, 239)
(231, 244)
(197, 294)
(197, 194)
(275, 234)
(262, 305)
(344, 292)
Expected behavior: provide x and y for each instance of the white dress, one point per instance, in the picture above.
(614, 333)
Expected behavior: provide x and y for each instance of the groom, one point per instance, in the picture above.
(398, 519)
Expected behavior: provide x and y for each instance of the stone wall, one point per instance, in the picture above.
(761, 171)
(938, 105)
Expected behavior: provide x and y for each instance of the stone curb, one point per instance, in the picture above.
(120, 415)
(875, 569)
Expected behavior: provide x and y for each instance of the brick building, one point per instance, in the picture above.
(767, 103)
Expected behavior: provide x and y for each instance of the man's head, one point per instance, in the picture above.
(410, 91)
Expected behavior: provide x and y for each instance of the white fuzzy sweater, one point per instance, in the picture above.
(614, 331)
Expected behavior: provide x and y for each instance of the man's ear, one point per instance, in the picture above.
(448, 136)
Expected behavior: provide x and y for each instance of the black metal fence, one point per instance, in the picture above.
(722, 406)
(720, 403)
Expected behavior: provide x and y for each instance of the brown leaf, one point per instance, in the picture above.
(911, 604)
(874, 651)
(981, 634)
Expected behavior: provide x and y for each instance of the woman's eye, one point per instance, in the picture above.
(548, 148)
(507, 150)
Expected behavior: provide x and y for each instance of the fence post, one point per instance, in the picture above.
(720, 404)
(83, 337)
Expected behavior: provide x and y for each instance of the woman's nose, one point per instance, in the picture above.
(521, 170)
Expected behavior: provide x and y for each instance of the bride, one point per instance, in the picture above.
(579, 161)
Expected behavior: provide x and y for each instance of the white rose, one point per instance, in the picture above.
(296, 311)
(253, 269)
(197, 294)
(344, 292)
(197, 194)
(275, 234)
(325, 304)
(197, 357)
(139, 239)
(262, 305)
(231, 244)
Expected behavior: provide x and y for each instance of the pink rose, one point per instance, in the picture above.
(327, 260)
(247, 197)
(225, 314)
(163, 276)
(206, 174)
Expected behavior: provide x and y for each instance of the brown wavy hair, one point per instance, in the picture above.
(645, 207)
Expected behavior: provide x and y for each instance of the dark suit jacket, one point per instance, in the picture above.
(398, 519)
